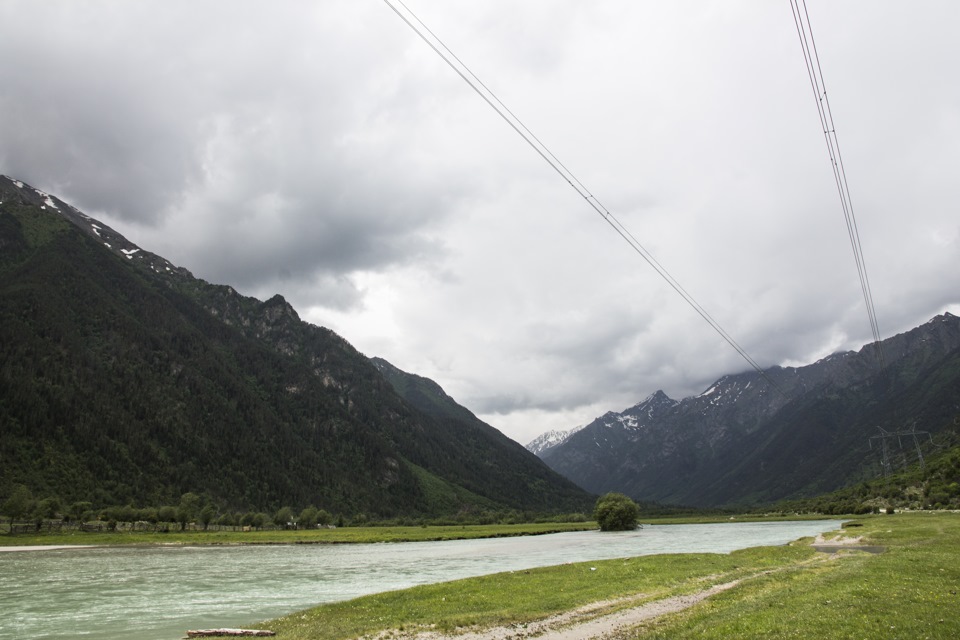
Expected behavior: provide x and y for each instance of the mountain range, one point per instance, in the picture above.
(785, 432)
(126, 380)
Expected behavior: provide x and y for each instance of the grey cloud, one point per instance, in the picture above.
(230, 133)
(323, 152)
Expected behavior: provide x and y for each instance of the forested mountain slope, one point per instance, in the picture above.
(483, 452)
(124, 379)
(745, 441)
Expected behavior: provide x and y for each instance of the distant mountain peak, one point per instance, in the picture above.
(737, 442)
(277, 307)
(545, 441)
(658, 397)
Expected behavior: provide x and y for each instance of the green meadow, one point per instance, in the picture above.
(341, 535)
(909, 591)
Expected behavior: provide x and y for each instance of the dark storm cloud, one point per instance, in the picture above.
(231, 129)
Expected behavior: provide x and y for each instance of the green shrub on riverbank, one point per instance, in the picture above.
(616, 512)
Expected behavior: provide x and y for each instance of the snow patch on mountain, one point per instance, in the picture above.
(550, 439)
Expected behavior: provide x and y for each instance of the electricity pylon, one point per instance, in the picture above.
(899, 435)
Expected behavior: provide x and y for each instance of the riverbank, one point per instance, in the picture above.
(45, 547)
(343, 535)
(346, 535)
(909, 591)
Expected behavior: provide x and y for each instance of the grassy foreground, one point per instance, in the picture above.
(341, 535)
(910, 591)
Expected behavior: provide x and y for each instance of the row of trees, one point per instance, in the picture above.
(199, 512)
(192, 509)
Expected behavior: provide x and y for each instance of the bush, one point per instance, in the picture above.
(616, 512)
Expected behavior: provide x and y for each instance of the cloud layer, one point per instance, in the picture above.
(326, 153)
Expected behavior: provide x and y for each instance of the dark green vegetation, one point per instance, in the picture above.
(742, 443)
(910, 591)
(126, 381)
(616, 512)
(935, 486)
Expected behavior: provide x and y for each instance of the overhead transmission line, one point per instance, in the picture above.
(805, 31)
(441, 49)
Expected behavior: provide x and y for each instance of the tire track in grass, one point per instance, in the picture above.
(595, 621)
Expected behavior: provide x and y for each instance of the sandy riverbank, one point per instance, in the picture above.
(46, 547)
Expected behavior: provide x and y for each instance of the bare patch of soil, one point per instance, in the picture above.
(836, 540)
(841, 543)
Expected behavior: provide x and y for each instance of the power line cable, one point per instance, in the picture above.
(461, 69)
(815, 74)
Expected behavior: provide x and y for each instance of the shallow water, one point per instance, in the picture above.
(157, 593)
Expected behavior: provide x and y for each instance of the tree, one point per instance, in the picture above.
(79, 509)
(126, 514)
(616, 512)
(19, 503)
(259, 519)
(283, 517)
(207, 515)
(48, 508)
(188, 509)
(308, 517)
(167, 514)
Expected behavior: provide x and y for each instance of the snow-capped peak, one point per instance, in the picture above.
(550, 439)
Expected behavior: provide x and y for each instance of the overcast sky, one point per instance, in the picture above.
(322, 151)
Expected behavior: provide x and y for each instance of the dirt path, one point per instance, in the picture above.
(602, 620)
(587, 623)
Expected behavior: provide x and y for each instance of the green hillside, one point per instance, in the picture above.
(935, 484)
(126, 382)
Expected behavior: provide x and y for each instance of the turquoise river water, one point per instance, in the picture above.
(157, 593)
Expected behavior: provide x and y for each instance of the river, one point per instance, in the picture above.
(157, 593)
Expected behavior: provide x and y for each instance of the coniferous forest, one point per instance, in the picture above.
(126, 381)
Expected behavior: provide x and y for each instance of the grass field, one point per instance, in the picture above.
(341, 535)
(910, 591)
